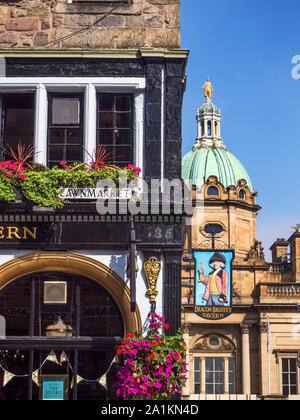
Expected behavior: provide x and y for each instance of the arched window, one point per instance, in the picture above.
(213, 192)
(242, 195)
(216, 129)
(209, 128)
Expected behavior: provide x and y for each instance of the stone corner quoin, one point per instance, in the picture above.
(31, 24)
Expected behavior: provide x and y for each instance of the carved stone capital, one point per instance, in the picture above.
(245, 328)
(186, 328)
(263, 327)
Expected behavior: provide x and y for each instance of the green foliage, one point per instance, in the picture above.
(41, 185)
(7, 193)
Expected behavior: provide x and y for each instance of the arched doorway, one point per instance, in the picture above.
(92, 306)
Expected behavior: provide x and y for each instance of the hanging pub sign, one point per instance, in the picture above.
(213, 283)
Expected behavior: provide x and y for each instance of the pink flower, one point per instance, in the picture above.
(102, 163)
(137, 170)
(63, 163)
(22, 176)
(9, 174)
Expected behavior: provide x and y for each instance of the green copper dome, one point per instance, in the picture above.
(203, 162)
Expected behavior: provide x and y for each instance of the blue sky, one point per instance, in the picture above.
(246, 48)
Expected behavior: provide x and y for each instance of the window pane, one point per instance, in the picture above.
(123, 103)
(293, 367)
(219, 364)
(293, 378)
(197, 377)
(65, 111)
(209, 377)
(209, 364)
(197, 388)
(285, 365)
(231, 364)
(219, 389)
(209, 389)
(106, 120)
(73, 136)
(124, 137)
(105, 137)
(285, 390)
(18, 119)
(15, 307)
(293, 390)
(123, 120)
(231, 389)
(106, 102)
(197, 363)
(219, 377)
(123, 154)
(56, 153)
(56, 135)
(73, 154)
(285, 378)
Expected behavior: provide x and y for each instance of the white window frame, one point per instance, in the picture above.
(91, 86)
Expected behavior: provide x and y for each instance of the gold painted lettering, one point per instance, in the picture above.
(1, 232)
(13, 231)
(31, 233)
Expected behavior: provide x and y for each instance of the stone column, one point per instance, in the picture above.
(264, 373)
(202, 379)
(246, 371)
(186, 337)
(226, 375)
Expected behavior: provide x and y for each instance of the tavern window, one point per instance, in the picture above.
(114, 127)
(17, 121)
(218, 375)
(65, 129)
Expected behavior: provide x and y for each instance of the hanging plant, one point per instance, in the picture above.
(152, 367)
(41, 185)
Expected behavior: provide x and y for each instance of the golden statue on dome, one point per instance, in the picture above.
(208, 89)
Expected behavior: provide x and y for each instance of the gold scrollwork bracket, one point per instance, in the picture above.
(152, 269)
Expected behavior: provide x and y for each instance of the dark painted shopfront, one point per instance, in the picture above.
(84, 257)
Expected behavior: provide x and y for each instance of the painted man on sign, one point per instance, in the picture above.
(216, 291)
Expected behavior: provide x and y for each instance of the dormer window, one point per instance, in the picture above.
(242, 195)
(212, 192)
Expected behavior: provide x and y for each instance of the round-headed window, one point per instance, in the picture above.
(242, 195)
(213, 192)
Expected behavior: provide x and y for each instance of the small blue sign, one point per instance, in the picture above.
(53, 389)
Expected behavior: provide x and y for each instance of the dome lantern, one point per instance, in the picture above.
(209, 122)
(209, 156)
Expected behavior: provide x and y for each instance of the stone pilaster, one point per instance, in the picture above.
(246, 369)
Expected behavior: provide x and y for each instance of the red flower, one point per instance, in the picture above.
(152, 356)
(123, 342)
(154, 343)
(119, 351)
(9, 174)
(166, 326)
(63, 163)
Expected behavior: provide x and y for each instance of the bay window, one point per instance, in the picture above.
(66, 119)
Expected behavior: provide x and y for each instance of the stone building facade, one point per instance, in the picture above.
(32, 24)
(77, 75)
(253, 353)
